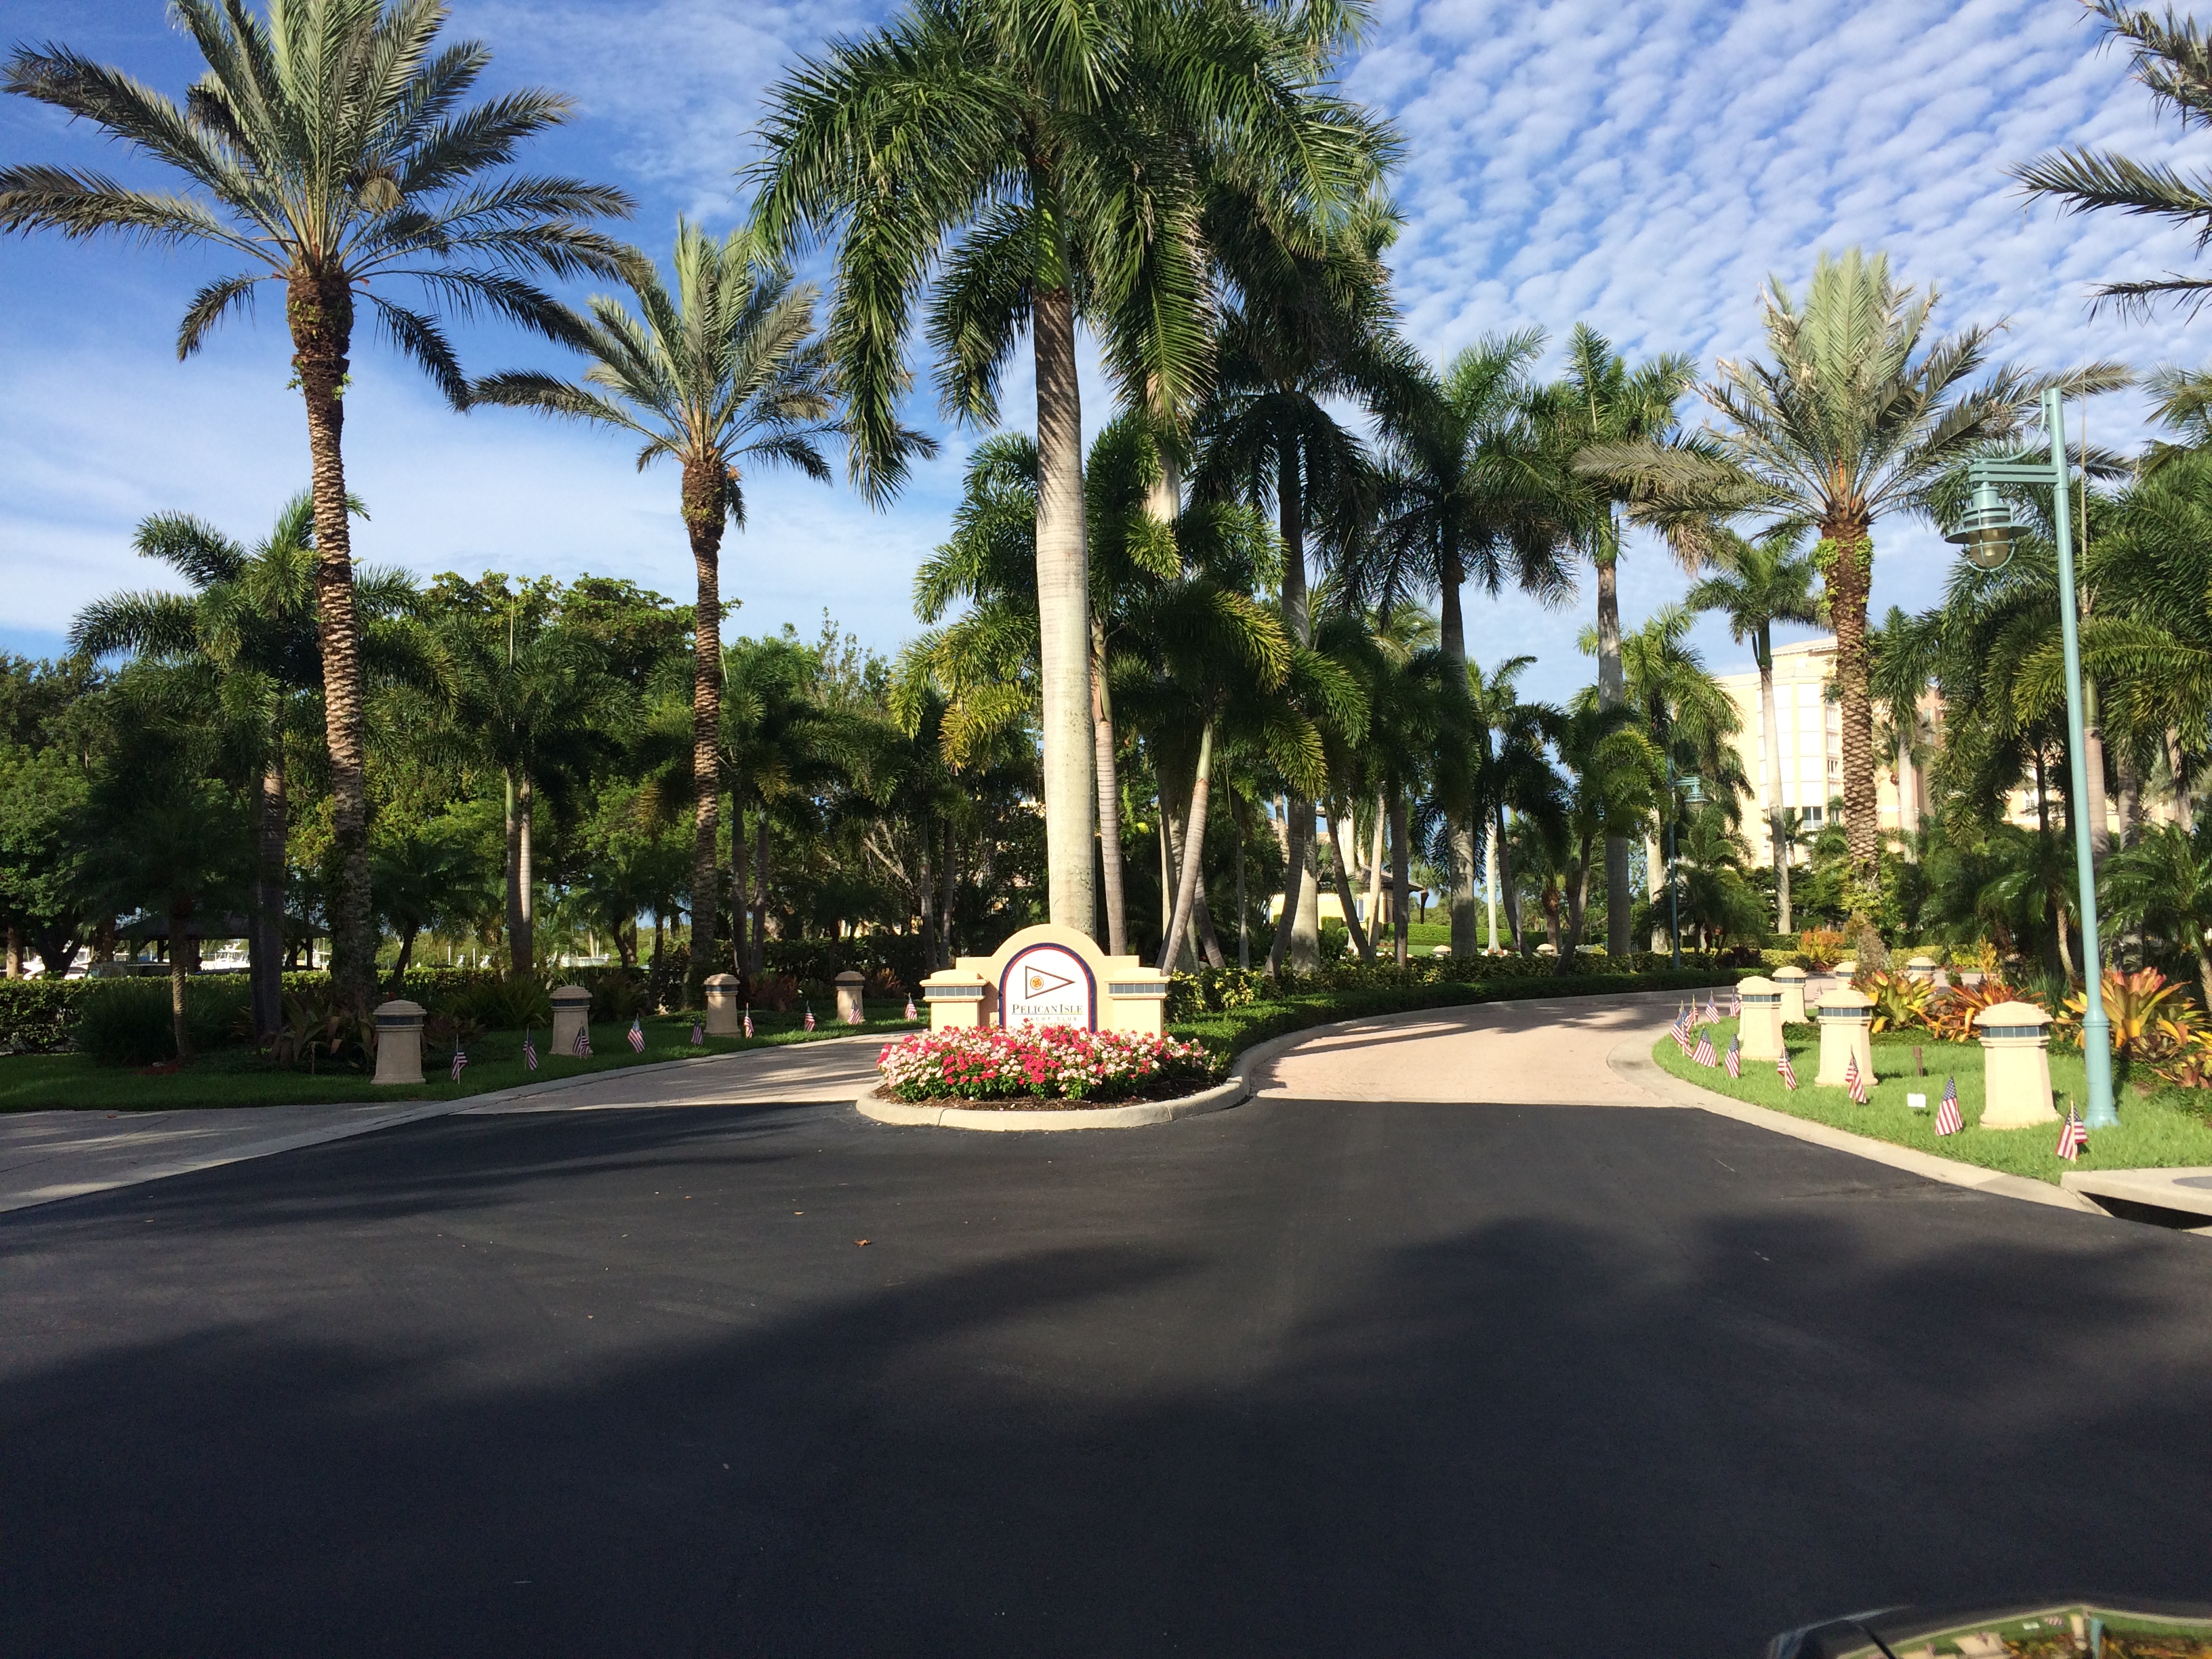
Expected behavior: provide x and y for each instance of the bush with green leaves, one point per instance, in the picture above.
(498, 1005)
(37, 1015)
(127, 1022)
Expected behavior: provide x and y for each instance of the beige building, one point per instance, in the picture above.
(1809, 723)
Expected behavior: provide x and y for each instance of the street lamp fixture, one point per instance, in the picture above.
(1986, 534)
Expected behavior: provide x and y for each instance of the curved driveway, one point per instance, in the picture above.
(1472, 1374)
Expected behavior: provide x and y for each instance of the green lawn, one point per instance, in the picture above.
(2157, 1130)
(236, 1076)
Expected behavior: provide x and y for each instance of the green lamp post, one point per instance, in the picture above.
(1986, 534)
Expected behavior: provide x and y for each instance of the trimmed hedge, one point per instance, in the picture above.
(1216, 990)
(37, 1015)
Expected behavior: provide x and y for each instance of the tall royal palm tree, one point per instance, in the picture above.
(328, 147)
(1600, 400)
(1465, 497)
(1755, 586)
(1611, 777)
(1024, 164)
(723, 372)
(250, 618)
(1858, 415)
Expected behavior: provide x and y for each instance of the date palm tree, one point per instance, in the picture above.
(329, 149)
(2164, 882)
(1022, 164)
(721, 372)
(1755, 586)
(1858, 415)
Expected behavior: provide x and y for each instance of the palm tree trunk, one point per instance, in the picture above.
(925, 891)
(321, 313)
(15, 950)
(1774, 806)
(525, 957)
(1401, 873)
(181, 915)
(1294, 878)
(1243, 919)
(950, 879)
(1063, 616)
(1612, 692)
(1375, 870)
(1848, 578)
(706, 509)
(1201, 916)
(1489, 887)
(1193, 842)
(515, 952)
(1507, 894)
(1360, 940)
(1109, 799)
(271, 813)
(740, 891)
(1459, 830)
(1303, 911)
(758, 962)
(1578, 885)
(2093, 759)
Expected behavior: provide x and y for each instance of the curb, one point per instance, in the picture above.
(1630, 1060)
(555, 1085)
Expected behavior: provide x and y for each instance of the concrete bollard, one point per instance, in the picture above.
(399, 1042)
(724, 1017)
(1847, 971)
(1790, 981)
(1846, 1030)
(2015, 1065)
(849, 986)
(1761, 1029)
(1921, 969)
(572, 1013)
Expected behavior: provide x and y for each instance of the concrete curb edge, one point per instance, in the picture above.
(1630, 1060)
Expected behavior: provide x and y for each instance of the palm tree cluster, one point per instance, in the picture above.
(1223, 655)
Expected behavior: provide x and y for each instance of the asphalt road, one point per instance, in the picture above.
(1296, 1379)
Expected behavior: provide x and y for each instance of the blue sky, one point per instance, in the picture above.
(1643, 165)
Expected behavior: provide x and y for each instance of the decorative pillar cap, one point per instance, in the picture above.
(1844, 1003)
(1921, 962)
(1757, 985)
(711, 979)
(2011, 1019)
(399, 1011)
(1792, 972)
(561, 993)
(852, 977)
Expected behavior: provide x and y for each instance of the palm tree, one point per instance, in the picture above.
(1026, 164)
(328, 149)
(1859, 414)
(1511, 774)
(1757, 584)
(531, 699)
(2167, 56)
(722, 373)
(2164, 882)
(251, 619)
(1613, 776)
(1465, 497)
(1598, 402)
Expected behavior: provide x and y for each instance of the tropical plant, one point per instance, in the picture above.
(1464, 495)
(329, 149)
(2166, 57)
(1598, 403)
(2137, 1004)
(1952, 1015)
(720, 373)
(1859, 414)
(2164, 882)
(1027, 164)
(1612, 776)
(1755, 586)
(1901, 1003)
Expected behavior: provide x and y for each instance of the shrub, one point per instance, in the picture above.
(2138, 1005)
(1951, 1016)
(618, 995)
(885, 986)
(1053, 1062)
(1901, 1003)
(37, 1015)
(1819, 950)
(500, 1004)
(126, 1021)
(778, 991)
(317, 1032)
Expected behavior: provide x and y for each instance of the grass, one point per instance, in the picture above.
(2157, 1131)
(237, 1077)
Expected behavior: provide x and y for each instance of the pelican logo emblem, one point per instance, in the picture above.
(1036, 982)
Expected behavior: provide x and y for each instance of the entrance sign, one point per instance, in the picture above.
(1048, 976)
(1048, 985)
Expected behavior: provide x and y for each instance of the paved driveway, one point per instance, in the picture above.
(1303, 1377)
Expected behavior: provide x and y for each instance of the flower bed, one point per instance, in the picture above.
(1038, 1065)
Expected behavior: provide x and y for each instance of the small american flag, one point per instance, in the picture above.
(636, 1036)
(529, 1052)
(583, 1044)
(1735, 1060)
(460, 1061)
(698, 1034)
(810, 1016)
(1947, 1120)
(2073, 1136)
(1735, 1004)
(1712, 1011)
(910, 1013)
(1786, 1072)
(1704, 1054)
(749, 1020)
(1853, 1084)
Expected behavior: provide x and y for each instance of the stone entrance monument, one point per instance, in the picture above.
(1048, 976)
